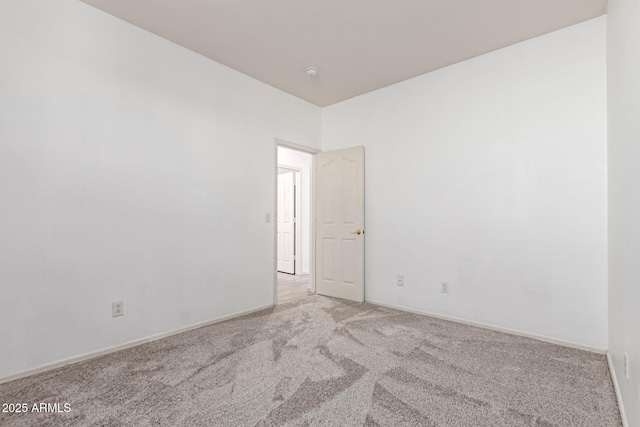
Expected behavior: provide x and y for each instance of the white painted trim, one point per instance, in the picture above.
(493, 327)
(295, 146)
(274, 224)
(312, 229)
(616, 387)
(300, 255)
(134, 343)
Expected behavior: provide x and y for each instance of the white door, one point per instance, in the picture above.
(286, 223)
(340, 223)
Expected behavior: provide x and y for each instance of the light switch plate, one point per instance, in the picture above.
(117, 309)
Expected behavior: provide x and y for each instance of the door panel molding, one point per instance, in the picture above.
(339, 217)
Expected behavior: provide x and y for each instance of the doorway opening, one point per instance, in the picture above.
(293, 224)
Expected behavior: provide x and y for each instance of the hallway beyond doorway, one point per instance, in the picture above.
(291, 288)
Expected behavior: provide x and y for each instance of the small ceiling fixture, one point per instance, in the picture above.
(312, 71)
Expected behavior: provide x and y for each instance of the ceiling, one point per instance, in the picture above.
(357, 45)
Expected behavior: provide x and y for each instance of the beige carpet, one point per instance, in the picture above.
(320, 361)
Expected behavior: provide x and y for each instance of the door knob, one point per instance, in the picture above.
(358, 232)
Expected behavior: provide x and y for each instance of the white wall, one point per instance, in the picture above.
(491, 175)
(116, 149)
(302, 161)
(623, 40)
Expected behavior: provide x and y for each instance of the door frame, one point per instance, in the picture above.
(312, 229)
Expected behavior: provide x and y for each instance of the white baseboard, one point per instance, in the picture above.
(493, 327)
(616, 387)
(93, 354)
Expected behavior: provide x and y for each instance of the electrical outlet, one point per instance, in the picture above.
(626, 365)
(444, 287)
(117, 309)
(400, 280)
